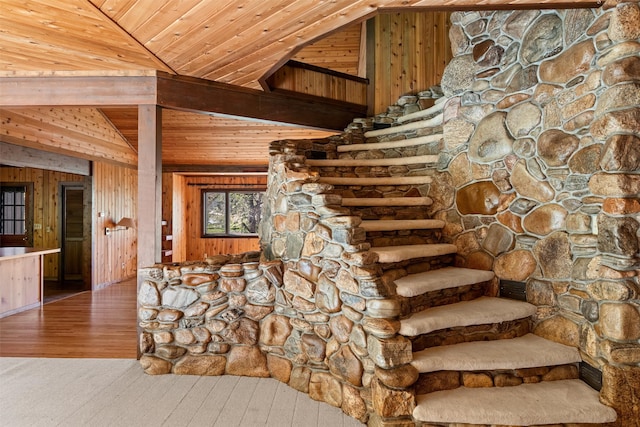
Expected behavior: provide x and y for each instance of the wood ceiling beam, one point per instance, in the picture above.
(174, 92)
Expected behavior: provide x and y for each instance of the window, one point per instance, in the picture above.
(233, 213)
(15, 214)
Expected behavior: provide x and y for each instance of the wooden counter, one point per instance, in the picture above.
(21, 278)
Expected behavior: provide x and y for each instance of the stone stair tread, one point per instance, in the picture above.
(443, 278)
(528, 351)
(393, 161)
(388, 254)
(409, 142)
(402, 224)
(547, 402)
(372, 181)
(420, 124)
(386, 201)
(480, 311)
(435, 108)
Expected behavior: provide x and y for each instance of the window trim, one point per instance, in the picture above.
(27, 241)
(226, 192)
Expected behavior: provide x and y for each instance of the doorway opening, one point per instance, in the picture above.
(74, 221)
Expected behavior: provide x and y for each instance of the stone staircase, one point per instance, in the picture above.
(478, 362)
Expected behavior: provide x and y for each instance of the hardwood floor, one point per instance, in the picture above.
(99, 324)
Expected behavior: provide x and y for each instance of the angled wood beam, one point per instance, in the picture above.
(19, 156)
(175, 92)
(205, 96)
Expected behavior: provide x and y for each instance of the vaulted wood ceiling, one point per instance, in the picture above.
(231, 41)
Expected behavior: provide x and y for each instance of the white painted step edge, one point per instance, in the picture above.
(394, 161)
(528, 351)
(402, 253)
(480, 311)
(371, 181)
(387, 201)
(402, 224)
(547, 402)
(443, 278)
(411, 142)
(432, 122)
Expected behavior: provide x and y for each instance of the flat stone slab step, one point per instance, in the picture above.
(480, 311)
(547, 402)
(372, 181)
(431, 122)
(410, 142)
(443, 278)
(528, 351)
(386, 201)
(435, 108)
(402, 224)
(402, 253)
(395, 161)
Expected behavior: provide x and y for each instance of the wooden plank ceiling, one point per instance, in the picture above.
(231, 41)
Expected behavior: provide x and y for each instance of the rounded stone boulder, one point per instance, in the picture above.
(523, 118)
(555, 147)
(491, 139)
(517, 265)
(543, 39)
(546, 219)
(554, 255)
(482, 198)
(400, 377)
(458, 75)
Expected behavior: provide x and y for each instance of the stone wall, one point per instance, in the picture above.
(542, 143)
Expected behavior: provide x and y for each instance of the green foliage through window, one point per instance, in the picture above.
(231, 213)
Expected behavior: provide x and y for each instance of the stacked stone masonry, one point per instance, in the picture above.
(537, 178)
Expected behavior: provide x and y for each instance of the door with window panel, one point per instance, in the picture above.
(16, 214)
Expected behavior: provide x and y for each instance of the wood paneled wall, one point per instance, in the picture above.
(295, 77)
(409, 54)
(185, 206)
(115, 192)
(46, 208)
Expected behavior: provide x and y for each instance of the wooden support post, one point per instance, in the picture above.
(149, 185)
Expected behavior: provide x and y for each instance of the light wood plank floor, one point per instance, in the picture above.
(57, 388)
(99, 324)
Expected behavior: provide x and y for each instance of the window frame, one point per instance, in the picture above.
(26, 239)
(226, 191)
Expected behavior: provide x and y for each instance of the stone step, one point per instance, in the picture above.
(528, 351)
(411, 142)
(386, 201)
(402, 224)
(435, 108)
(547, 402)
(388, 254)
(431, 122)
(443, 278)
(481, 311)
(373, 181)
(395, 161)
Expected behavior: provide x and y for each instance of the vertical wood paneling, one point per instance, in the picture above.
(188, 243)
(115, 192)
(318, 83)
(178, 219)
(411, 52)
(46, 208)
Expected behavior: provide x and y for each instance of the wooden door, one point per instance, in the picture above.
(16, 214)
(72, 232)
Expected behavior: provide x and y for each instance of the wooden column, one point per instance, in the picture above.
(149, 185)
